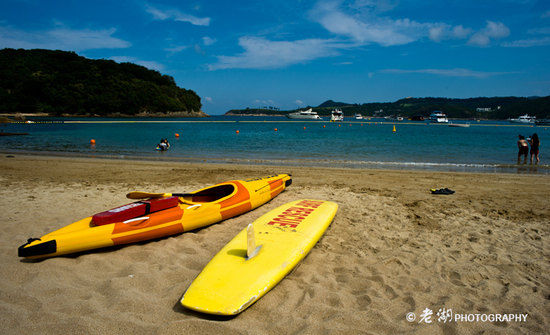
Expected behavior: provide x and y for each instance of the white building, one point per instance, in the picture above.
(483, 109)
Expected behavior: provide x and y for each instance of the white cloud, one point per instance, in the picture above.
(457, 72)
(299, 102)
(208, 99)
(61, 38)
(541, 31)
(176, 15)
(264, 102)
(375, 5)
(208, 40)
(362, 27)
(437, 33)
(461, 32)
(148, 64)
(493, 30)
(367, 27)
(176, 49)
(441, 31)
(198, 49)
(527, 43)
(260, 53)
(496, 30)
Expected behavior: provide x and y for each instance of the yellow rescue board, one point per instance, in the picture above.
(231, 281)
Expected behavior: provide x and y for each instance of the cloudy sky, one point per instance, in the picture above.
(290, 54)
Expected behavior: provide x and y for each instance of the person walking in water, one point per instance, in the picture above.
(523, 147)
(535, 143)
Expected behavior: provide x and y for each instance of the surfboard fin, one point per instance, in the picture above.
(251, 249)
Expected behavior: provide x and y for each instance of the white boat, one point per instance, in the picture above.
(304, 115)
(438, 117)
(524, 119)
(336, 115)
(358, 117)
(394, 118)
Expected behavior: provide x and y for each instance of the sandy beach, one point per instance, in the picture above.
(392, 249)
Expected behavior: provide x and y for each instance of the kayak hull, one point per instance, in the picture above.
(195, 210)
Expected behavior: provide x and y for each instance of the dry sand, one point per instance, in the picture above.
(392, 248)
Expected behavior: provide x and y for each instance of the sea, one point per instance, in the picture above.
(484, 146)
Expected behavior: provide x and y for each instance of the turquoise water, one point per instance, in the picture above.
(482, 147)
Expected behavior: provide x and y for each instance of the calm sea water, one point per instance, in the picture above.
(483, 146)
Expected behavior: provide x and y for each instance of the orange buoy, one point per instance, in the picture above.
(324, 126)
(237, 131)
(276, 129)
(92, 141)
(304, 128)
(361, 125)
(177, 135)
(339, 125)
(394, 130)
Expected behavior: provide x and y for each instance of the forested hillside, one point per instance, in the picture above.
(60, 83)
(482, 107)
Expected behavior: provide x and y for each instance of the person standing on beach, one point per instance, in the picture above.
(535, 143)
(523, 147)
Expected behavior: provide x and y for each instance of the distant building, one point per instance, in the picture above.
(483, 110)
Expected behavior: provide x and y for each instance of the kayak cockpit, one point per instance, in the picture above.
(211, 194)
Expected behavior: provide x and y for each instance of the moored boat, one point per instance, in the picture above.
(394, 118)
(438, 117)
(161, 215)
(336, 115)
(304, 115)
(524, 119)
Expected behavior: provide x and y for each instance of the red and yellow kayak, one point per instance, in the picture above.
(158, 217)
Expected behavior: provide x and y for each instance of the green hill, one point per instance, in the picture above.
(330, 103)
(490, 108)
(61, 83)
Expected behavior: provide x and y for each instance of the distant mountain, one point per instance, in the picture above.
(64, 83)
(330, 103)
(481, 107)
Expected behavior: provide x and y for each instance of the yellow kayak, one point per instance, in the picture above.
(161, 215)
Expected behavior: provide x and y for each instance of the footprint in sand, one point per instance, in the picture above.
(363, 302)
(190, 251)
(409, 300)
(391, 292)
(456, 278)
(334, 301)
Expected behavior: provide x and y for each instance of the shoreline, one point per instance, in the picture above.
(201, 115)
(542, 169)
(144, 115)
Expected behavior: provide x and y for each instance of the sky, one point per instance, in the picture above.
(291, 54)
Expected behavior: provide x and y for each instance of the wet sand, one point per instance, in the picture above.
(393, 248)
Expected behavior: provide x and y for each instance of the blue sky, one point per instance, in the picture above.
(291, 54)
